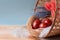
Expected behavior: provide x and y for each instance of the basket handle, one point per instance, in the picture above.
(36, 5)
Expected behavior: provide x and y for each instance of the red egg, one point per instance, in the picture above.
(47, 21)
(42, 25)
(36, 23)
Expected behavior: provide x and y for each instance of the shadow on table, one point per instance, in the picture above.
(51, 38)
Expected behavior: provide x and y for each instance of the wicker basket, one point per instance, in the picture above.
(50, 31)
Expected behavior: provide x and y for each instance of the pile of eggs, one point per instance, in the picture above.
(41, 23)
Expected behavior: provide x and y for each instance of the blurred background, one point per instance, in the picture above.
(15, 12)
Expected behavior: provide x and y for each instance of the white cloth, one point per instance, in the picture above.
(19, 31)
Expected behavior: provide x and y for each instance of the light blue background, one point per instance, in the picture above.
(15, 12)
